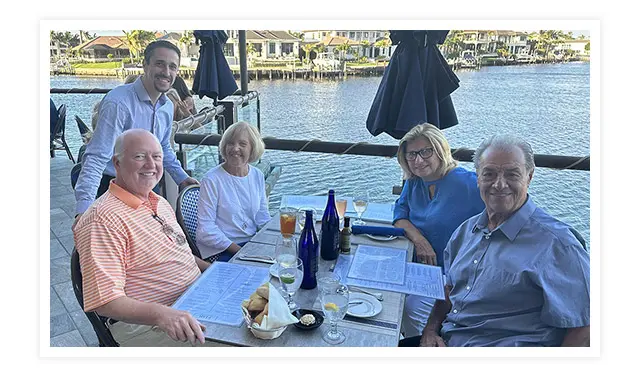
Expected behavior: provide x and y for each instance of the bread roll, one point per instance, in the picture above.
(257, 304)
(259, 318)
(245, 304)
(266, 309)
(263, 292)
(254, 296)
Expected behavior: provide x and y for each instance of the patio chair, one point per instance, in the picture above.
(57, 141)
(75, 174)
(187, 215)
(98, 322)
(84, 130)
(82, 126)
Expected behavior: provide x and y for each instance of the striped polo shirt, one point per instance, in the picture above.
(124, 251)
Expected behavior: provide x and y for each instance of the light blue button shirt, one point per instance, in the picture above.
(123, 108)
(523, 284)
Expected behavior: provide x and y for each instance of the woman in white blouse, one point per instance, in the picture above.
(233, 202)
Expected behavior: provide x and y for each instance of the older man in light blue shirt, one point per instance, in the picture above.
(141, 104)
(515, 275)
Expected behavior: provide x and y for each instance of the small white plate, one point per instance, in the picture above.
(370, 305)
(381, 238)
(273, 270)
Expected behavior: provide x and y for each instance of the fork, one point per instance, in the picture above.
(378, 296)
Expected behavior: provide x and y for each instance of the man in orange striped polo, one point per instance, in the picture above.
(134, 258)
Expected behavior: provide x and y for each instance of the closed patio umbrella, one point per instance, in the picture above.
(415, 87)
(213, 77)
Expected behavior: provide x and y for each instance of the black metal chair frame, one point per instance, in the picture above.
(180, 218)
(57, 141)
(98, 322)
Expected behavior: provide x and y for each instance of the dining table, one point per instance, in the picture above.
(381, 330)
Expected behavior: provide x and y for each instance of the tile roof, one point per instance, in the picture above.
(270, 35)
(336, 41)
(103, 42)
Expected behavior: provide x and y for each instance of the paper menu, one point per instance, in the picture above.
(217, 295)
(420, 279)
(379, 264)
(380, 212)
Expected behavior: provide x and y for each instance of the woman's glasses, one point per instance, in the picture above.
(168, 230)
(424, 154)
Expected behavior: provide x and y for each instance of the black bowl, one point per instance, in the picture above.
(318, 316)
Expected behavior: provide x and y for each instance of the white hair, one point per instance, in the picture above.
(503, 142)
(118, 148)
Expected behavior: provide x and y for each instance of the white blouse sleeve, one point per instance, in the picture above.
(208, 233)
(263, 216)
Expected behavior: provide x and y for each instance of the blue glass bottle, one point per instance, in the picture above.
(330, 233)
(308, 252)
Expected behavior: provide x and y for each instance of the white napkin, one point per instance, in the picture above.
(279, 314)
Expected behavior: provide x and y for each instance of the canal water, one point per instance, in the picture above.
(548, 105)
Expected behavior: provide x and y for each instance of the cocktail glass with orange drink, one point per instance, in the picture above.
(287, 221)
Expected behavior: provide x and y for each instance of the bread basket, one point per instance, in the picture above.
(258, 332)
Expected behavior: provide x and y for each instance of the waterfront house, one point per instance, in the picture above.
(98, 49)
(355, 38)
(485, 42)
(57, 49)
(578, 46)
(264, 44)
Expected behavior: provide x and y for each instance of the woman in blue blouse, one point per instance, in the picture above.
(436, 198)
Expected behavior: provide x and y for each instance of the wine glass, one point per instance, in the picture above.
(286, 251)
(360, 202)
(341, 206)
(335, 301)
(290, 277)
(302, 216)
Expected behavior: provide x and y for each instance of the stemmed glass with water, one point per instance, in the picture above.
(335, 301)
(290, 277)
(286, 251)
(360, 203)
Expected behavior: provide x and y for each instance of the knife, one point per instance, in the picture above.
(257, 259)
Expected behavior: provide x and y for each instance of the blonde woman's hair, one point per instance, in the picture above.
(440, 145)
(131, 78)
(257, 145)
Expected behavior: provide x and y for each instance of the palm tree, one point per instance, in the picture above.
(130, 42)
(56, 38)
(297, 34)
(143, 38)
(454, 43)
(382, 44)
(533, 40)
(365, 46)
(187, 39)
(344, 49)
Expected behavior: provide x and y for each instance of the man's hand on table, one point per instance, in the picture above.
(424, 252)
(431, 339)
(181, 326)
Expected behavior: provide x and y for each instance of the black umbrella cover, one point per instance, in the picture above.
(416, 86)
(213, 77)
